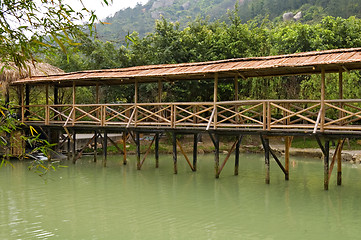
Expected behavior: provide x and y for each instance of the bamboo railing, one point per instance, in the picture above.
(252, 114)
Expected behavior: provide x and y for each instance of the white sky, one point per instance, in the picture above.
(101, 10)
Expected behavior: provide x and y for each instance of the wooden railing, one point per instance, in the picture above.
(253, 114)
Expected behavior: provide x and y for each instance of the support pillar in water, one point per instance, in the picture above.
(95, 145)
(195, 151)
(137, 141)
(105, 148)
(175, 153)
(236, 153)
(326, 159)
(156, 150)
(267, 161)
(216, 155)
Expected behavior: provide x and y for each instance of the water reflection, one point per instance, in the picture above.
(87, 201)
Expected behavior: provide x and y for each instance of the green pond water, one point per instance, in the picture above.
(87, 201)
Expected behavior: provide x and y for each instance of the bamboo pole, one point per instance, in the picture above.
(236, 161)
(323, 110)
(339, 163)
(288, 142)
(105, 148)
(266, 148)
(47, 112)
(340, 89)
(326, 159)
(22, 103)
(136, 87)
(95, 145)
(216, 155)
(215, 98)
(124, 148)
(195, 151)
(156, 150)
(74, 101)
(137, 141)
(175, 169)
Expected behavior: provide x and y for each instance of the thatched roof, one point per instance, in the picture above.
(282, 65)
(10, 72)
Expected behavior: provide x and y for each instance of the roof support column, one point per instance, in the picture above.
(236, 97)
(322, 124)
(47, 109)
(215, 96)
(340, 88)
(160, 88)
(74, 97)
(22, 103)
(136, 87)
(27, 99)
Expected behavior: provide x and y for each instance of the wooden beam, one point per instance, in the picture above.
(175, 169)
(236, 90)
(195, 151)
(74, 102)
(339, 163)
(95, 145)
(160, 88)
(288, 142)
(323, 93)
(156, 150)
(216, 155)
(326, 159)
(185, 155)
(265, 143)
(215, 99)
(146, 153)
(236, 160)
(137, 141)
(105, 148)
(22, 103)
(124, 148)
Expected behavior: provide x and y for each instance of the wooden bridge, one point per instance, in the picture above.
(325, 119)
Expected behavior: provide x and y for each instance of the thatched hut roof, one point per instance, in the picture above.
(10, 72)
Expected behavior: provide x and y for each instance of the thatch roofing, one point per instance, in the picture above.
(281, 65)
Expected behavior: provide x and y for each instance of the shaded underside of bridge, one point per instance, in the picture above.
(323, 119)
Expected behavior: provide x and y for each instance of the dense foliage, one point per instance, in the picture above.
(142, 18)
(202, 40)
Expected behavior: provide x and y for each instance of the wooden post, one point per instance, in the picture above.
(56, 100)
(124, 148)
(74, 101)
(137, 141)
(340, 88)
(215, 98)
(195, 151)
(236, 154)
(95, 146)
(339, 164)
(267, 160)
(236, 90)
(326, 165)
(160, 88)
(287, 157)
(74, 147)
(136, 87)
(175, 153)
(323, 110)
(105, 148)
(69, 145)
(156, 150)
(98, 113)
(216, 155)
(22, 103)
(47, 112)
(27, 99)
